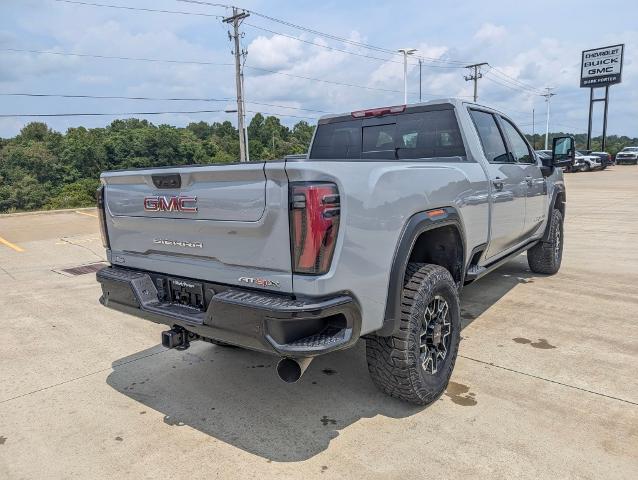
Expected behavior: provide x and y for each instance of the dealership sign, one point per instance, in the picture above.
(601, 66)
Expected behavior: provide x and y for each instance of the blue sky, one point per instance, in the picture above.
(537, 43)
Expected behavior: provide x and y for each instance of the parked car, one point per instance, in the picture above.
(577, 165)
(627, 156)
(590, 162)
(605, 158)
(371, 236)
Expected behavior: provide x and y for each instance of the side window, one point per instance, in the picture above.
(491, 138)
(337, 140)
(520, 149)
(432, 134)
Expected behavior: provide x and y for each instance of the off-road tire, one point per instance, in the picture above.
(546, 257)
(394, 362)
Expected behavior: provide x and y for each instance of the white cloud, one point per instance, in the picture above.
(490, 32)
(538, 57)
(275, 52)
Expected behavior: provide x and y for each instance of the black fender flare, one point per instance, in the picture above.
(558, 189)
(415, 226)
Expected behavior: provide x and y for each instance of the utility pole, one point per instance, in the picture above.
(236, 20)
(406, 52)
(533, 130)
(476, 68)
(547, 96)
(243, 97)
(420, 64)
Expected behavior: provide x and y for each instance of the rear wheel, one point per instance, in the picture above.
(416, 362)
(546, 257)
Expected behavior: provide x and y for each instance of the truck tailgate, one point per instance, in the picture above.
(219, 223)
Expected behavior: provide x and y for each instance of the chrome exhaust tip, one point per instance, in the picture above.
(290, 370)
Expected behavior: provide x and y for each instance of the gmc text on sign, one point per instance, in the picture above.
(601, 66)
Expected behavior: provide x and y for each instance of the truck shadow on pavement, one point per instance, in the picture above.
(234, 395)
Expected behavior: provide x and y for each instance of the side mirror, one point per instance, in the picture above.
(563, 152)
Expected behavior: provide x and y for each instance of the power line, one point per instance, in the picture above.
(334, 49)
(327, 47)
(497, 81)
(195, 62)
(332, 82)
(111, 114)
(139, 9)
(514, 80)
(110, 57)
(101, 114)
(458, 63)
(179, 12)
(497, 77)
(168, 99)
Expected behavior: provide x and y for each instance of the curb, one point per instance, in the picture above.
(46, 212)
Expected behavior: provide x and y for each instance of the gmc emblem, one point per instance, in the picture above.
(170, 204)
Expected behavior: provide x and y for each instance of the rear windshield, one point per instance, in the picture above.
(431, 134)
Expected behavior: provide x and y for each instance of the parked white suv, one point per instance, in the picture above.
(628, 156)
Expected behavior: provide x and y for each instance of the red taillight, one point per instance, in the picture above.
(314, 224)
(377, 112)
(101, 213)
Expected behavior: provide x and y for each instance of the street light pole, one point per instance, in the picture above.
(406, 52)
(420, 79)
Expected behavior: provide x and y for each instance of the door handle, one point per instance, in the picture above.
(498, 184)
(528, 180)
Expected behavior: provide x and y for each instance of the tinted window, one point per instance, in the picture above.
(520, 149)
(379, 138)
(491, 138)
(429, 135)
(337, 140)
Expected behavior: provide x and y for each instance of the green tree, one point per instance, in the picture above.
(41, 168)
(74, 195)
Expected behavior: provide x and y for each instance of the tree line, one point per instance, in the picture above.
(44, 169)
(614, 143)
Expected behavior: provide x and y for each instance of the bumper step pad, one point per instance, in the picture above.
(263, 321)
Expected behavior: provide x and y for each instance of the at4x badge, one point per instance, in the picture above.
(259, 282)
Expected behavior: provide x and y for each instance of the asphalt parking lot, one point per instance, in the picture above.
(545, 387)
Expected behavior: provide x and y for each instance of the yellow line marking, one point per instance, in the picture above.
(87, 214)
(11, 245)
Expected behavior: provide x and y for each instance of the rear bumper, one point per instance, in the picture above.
(276, 324)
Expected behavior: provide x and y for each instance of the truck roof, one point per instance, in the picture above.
(454, 101)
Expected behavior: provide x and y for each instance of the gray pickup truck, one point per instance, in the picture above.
(370, 236)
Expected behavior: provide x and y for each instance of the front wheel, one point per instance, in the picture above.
(546, 257)
(415, 364)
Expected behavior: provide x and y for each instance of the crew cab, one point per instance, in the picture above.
(370, 236)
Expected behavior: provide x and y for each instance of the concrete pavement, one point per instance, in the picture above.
(545, 386)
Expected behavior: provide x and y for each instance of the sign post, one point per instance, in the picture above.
(601, 67)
